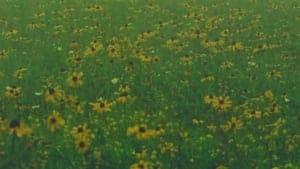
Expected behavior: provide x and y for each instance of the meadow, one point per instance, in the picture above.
(149, 84)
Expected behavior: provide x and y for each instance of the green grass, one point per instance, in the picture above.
(189, 60)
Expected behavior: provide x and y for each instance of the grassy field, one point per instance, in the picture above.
(149, 84)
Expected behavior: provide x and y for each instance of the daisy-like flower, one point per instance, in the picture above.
(82, 144)
(93, 49)
(114, 50)
(233, 124)
(253, 114)
(101, 106)
(54, 121)
(13, 91)
(222, 103)
(53, 94)
(142, 132)
(80, 131)
(75, 80)
(18, 128)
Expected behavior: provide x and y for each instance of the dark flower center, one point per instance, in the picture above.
(53, 120)
(158, 128)
(51, 91)
(14, 123)
(221, 102)
(81, 144)
(142, 129)
(74, 78)
(141, 166)
(80, 130)
(102, 105)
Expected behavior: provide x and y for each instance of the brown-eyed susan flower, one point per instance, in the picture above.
(143, 132)
(82, 144)
(13, 91)
(232, 124)
(253, 114)
(114, 50)
(145, 58)
(209, 43)
(81, 131)
(54, 121)
(53, 94)
(101, 106)
(140, 131)
(140, 165)
(222, 103)
(75, 80)
(137, 52)
(93, 49)
(18, 128)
